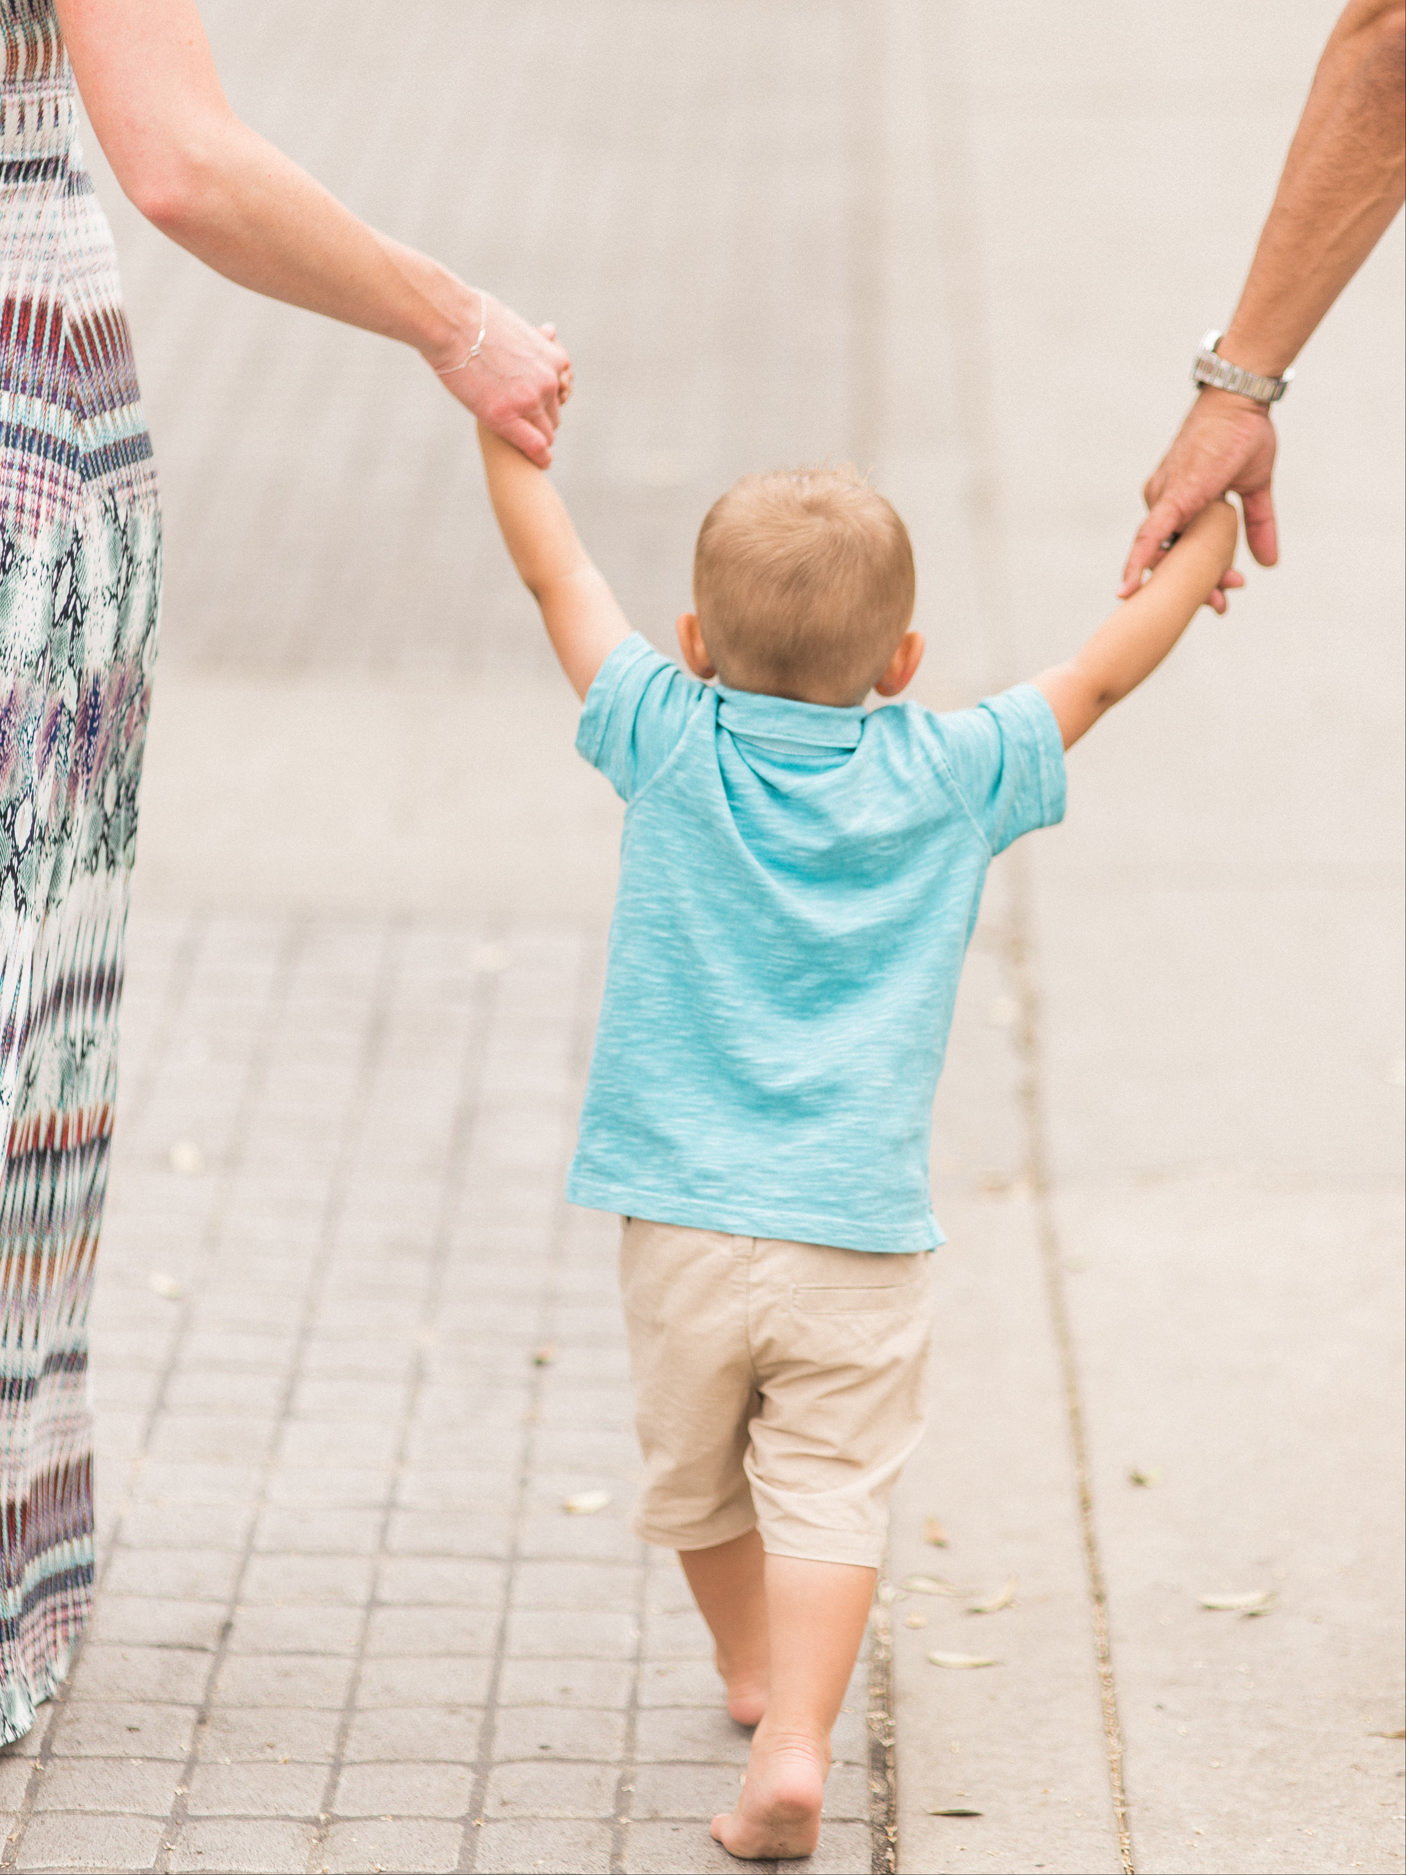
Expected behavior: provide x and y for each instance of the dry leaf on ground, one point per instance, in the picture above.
(1258, 1602)
(1145, 1475)
(993, 1604)
(953, 1809)
(929, 1585)
(934, 1533)
(585, 1503)
(939, 1659)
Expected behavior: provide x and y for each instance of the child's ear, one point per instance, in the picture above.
(695, 652)
(903, 665)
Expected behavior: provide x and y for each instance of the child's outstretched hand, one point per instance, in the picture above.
(1134, 641)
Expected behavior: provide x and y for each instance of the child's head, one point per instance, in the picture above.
(804, 584)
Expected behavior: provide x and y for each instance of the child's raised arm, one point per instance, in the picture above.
(1134, 641)
(578, 609)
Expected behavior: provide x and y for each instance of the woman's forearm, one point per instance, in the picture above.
(241, 206)
(226, 194)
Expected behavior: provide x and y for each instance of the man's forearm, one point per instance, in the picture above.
(1342, 184)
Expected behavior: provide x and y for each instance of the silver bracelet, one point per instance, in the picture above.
(448, 370)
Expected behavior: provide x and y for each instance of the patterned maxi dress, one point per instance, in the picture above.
(80, 564)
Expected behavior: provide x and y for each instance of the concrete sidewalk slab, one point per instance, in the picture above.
(1211, 987)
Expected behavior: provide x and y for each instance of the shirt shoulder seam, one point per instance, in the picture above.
(950, 776)
(673, 755)
(601, 710)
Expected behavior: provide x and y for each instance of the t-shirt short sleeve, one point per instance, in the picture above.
(634, 714)
(1007, 759)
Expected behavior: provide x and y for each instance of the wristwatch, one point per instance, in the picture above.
(1210, 368)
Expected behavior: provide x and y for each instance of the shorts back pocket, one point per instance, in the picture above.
(855, 1299)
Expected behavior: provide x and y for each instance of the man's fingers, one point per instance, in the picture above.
(1229, 582)
(1147, 548)
(1261, 533)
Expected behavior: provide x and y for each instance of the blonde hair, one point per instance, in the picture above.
(804, 584)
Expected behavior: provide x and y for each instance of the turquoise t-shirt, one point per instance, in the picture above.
(798, 887)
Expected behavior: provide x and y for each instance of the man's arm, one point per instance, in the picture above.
(1342, 184)
(1134, 641)
(579, 610)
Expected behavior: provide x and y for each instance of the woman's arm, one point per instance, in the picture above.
(227, 195)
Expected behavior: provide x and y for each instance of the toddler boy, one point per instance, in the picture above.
(799, 880)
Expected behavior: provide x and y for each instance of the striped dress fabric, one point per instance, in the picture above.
(80, 568)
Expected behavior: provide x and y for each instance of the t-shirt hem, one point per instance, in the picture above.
(749, 1220)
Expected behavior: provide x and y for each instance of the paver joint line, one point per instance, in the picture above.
(1037, 1171)
(883, 1773)
(969, 316)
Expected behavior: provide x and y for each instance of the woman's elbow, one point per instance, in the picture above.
(175, 185)
(162, 198)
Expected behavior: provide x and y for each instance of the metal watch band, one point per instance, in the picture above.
(1210, 368)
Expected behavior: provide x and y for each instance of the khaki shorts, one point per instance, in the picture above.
(778, 1386)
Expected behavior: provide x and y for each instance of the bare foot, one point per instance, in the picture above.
(746, 1690)
(778, 1810)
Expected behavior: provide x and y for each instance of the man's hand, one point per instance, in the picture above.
(1225, 446)
(1343, 181)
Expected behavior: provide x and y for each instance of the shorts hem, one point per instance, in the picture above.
(859, 1555)
(690, 1537)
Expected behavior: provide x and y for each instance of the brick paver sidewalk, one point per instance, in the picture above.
(353, 1355)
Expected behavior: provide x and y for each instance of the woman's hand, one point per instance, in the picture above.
(517, 383)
